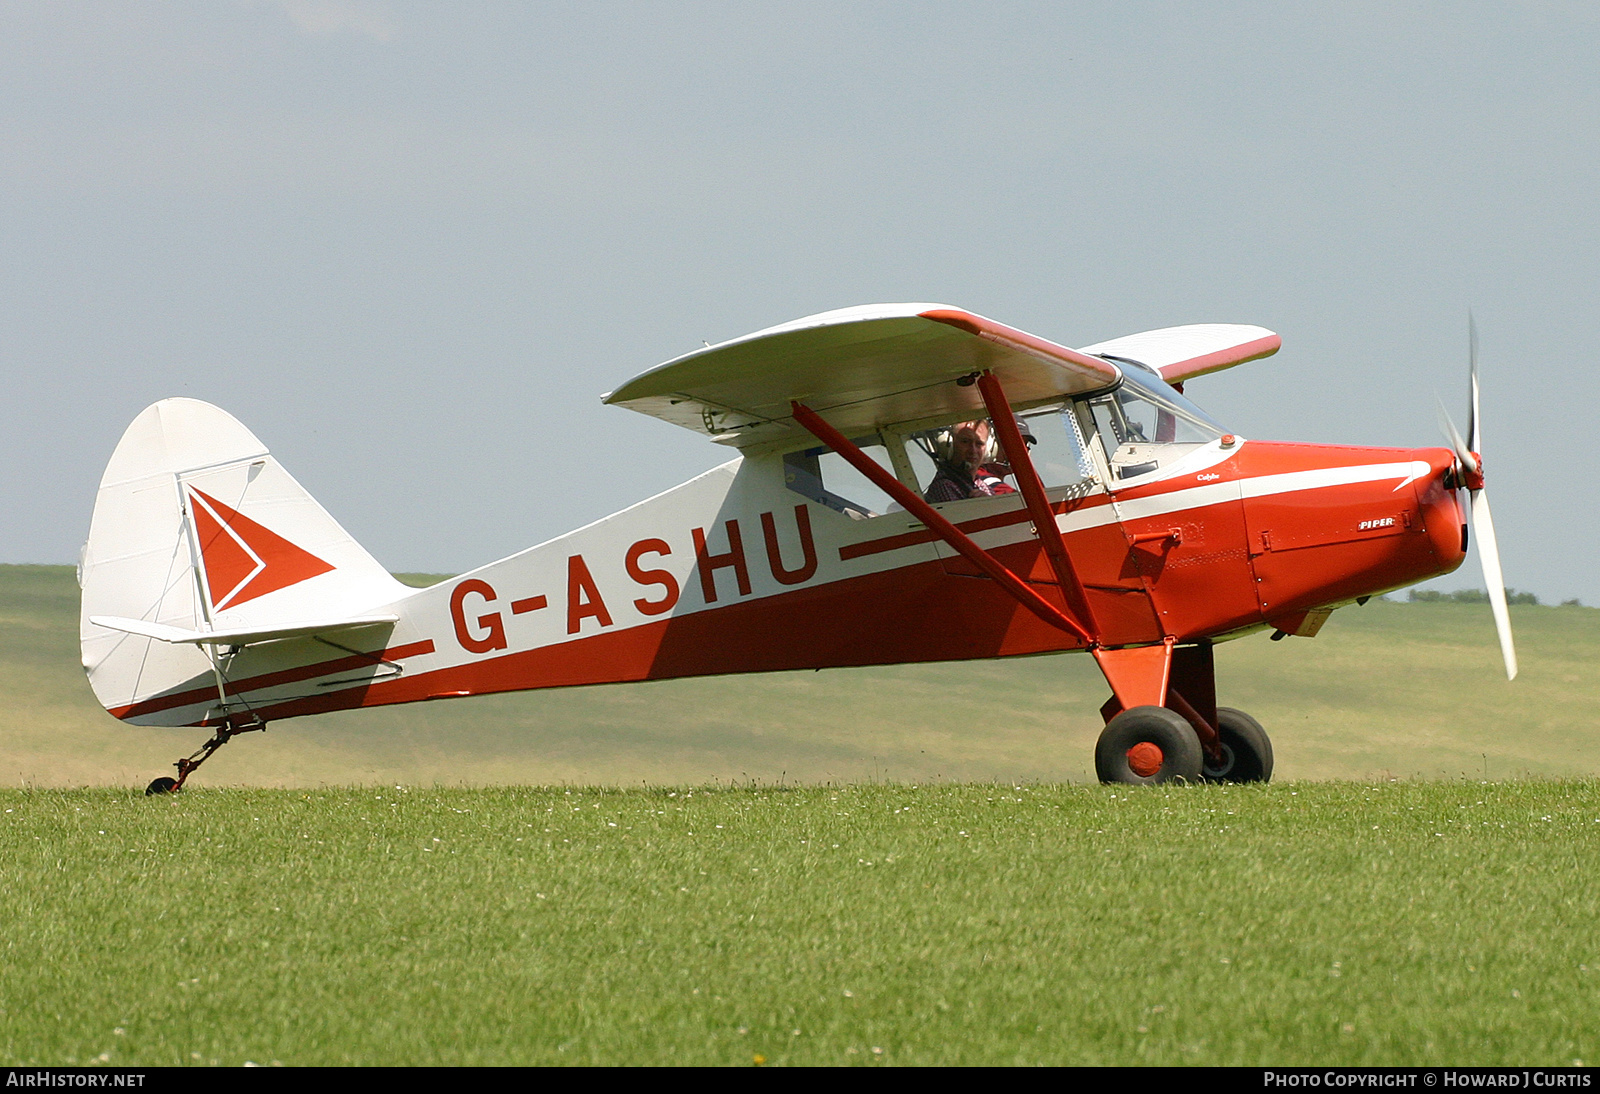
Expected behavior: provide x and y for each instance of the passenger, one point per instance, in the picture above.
(988, 481)
(995, 471)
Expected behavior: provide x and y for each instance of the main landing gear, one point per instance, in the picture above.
(1187, 737)
(1149, 745)
(186, 766)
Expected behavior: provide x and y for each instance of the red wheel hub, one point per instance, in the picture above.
(1145, 759)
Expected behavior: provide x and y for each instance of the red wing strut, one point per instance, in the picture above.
(1044, 521)
(936, 523)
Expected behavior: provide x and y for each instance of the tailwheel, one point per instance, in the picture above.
(1148, 745)
(1246, 750)
(226, 732)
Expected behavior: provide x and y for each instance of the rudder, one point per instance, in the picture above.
(196, 526)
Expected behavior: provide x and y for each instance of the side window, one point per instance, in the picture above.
(1059, 456)
(920, 450)
(826, 478)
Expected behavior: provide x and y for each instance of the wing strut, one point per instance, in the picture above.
(1044, 521)
(941, 527)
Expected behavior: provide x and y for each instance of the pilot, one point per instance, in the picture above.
(960, 455)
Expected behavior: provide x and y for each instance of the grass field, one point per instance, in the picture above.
(865, 866)
(1422, 922)
(1386, 690)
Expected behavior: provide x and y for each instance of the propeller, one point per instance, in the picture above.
(1469, 473)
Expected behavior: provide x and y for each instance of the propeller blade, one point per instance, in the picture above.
(1489, 555)
(1448, 427)
(1474, 442)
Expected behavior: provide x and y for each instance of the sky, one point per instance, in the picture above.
(410, 245)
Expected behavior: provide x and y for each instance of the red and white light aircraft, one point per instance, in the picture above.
(218, 593)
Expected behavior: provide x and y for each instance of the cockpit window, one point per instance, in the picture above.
(1144, 424)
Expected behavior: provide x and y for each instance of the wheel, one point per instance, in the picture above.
(162, 785)
(1148, 745)
(1246, 750)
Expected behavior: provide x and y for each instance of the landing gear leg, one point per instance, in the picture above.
(226, 732)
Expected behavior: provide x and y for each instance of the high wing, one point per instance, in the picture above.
(1182, 353)
(863, 369)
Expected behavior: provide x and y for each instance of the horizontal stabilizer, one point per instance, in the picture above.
(238, 636)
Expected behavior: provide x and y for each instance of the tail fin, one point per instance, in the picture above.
(198, 529)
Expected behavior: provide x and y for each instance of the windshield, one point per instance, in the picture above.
(1144, 424)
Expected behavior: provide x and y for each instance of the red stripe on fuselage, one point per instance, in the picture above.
(915, 613)
(982, 524)
(273, 679)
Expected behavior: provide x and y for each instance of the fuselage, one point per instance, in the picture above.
(734, 571)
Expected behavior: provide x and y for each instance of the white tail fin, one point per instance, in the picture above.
(198, 529)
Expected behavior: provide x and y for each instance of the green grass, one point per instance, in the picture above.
(421, 581)
(892, 866)
(1386, 690)
(1443, 922)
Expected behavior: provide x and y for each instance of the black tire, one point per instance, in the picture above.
(1246, 750)
(162, 785)
(1176, 756)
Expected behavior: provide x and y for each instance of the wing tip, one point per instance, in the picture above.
(955, 317)
(1253, 350)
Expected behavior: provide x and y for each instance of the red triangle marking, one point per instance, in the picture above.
(229, 563)
(243, 559)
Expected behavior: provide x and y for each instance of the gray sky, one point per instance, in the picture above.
(409, 245)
